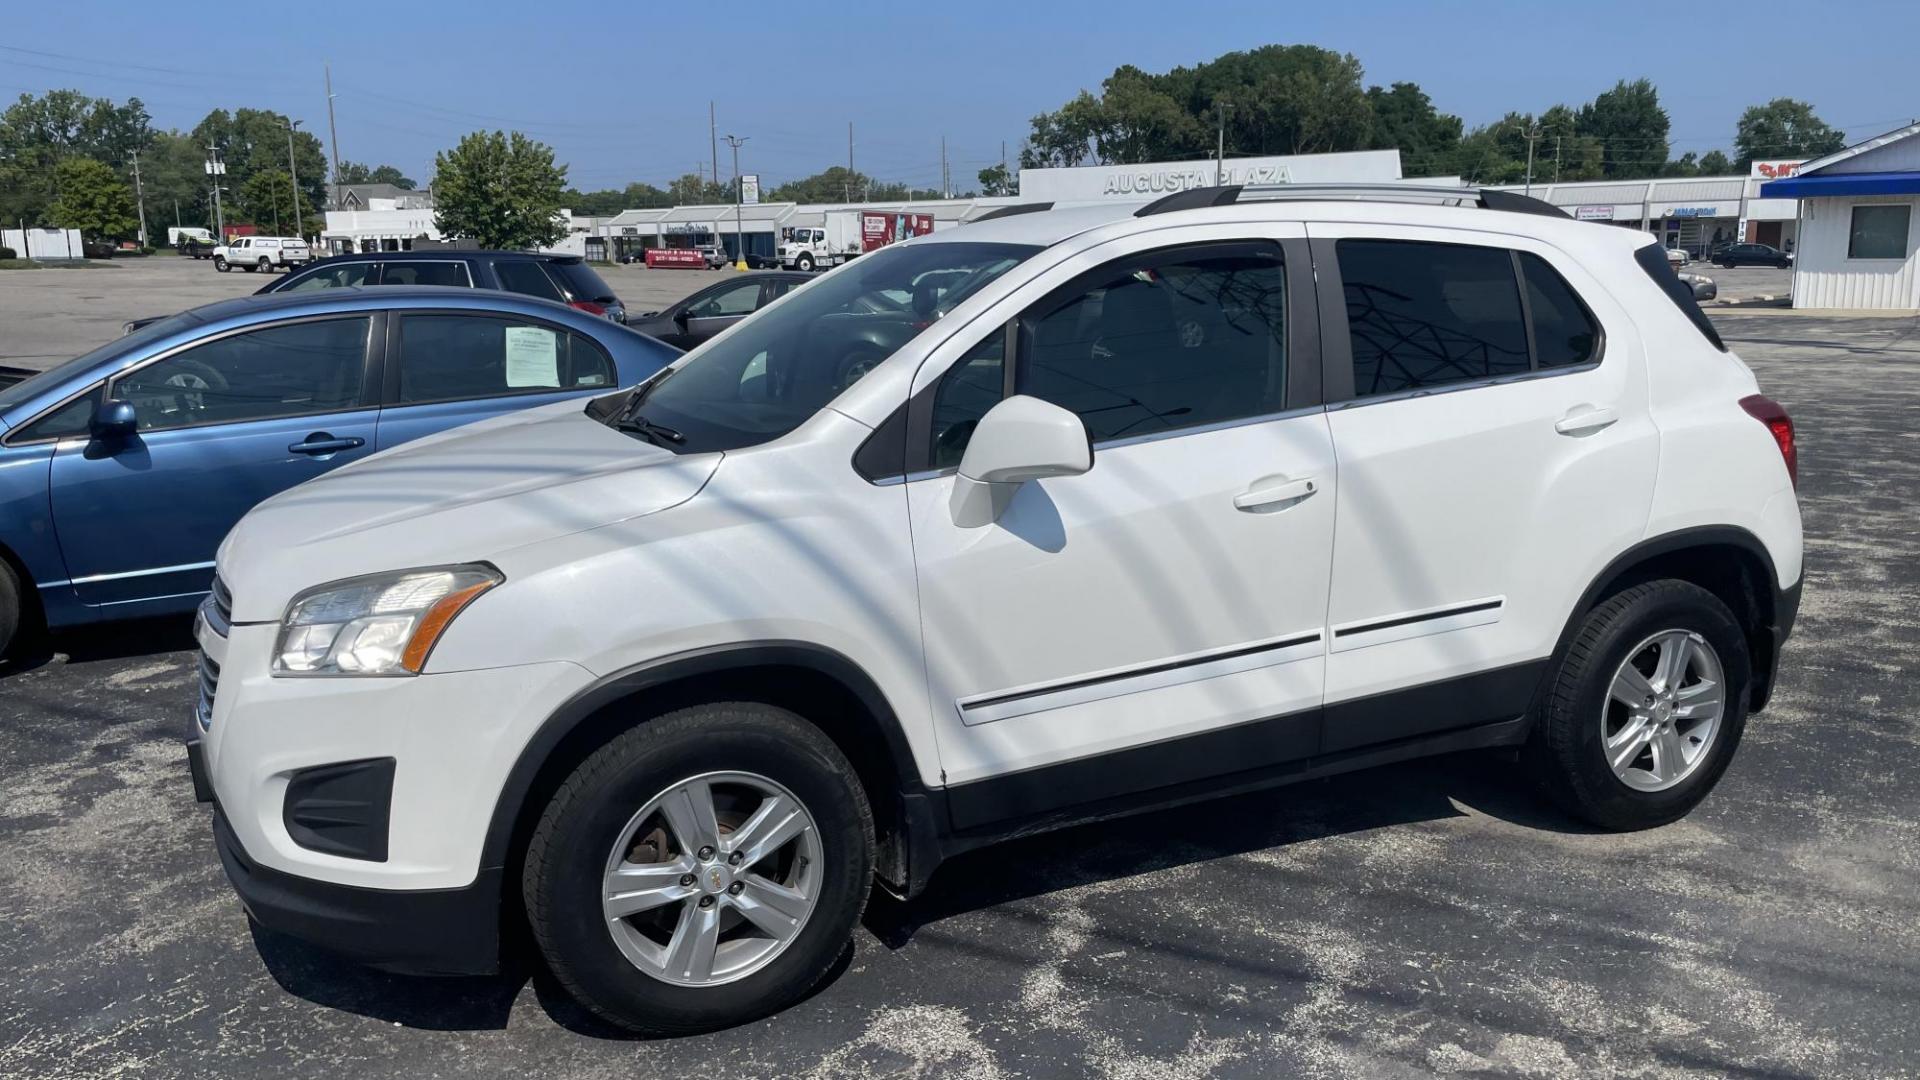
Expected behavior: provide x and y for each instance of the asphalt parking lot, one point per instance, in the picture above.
(50, 315)
(1424, 919)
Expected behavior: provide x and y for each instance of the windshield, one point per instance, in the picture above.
(51, 378)
(776, 369)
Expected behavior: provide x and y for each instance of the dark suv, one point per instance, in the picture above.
(1751, 255)
(566, 278)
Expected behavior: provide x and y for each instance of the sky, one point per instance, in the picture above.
(623, 95)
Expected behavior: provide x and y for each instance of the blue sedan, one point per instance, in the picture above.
(122, 470)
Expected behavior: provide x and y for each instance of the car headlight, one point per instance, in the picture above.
(382, 624)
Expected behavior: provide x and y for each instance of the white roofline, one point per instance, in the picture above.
(1862, 147)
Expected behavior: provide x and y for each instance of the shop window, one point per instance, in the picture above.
(1879, 232)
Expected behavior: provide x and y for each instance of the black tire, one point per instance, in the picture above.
(220, 263)
(10, 608)
(566, 858)
(804, 264)
(266, 267)
(1564, 752)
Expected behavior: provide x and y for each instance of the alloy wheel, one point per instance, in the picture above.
(1663, 710)
(712, 879)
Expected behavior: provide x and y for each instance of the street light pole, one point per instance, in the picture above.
(739, 202)
(216, 169)
(293, 171)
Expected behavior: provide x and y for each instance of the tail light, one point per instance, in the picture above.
(1768, 411)
(590, 307)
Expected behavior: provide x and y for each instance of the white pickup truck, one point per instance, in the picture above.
(262, 253)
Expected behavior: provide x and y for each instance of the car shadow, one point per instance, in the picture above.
(113, 641)
(1481, 782)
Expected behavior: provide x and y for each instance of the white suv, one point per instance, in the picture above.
(262, 253)
(1048, 518)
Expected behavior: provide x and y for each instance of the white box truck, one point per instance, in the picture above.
(828, 244)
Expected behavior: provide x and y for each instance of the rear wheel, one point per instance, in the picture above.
(220, 263)
(266, 267)
(1646, 707)
(701, 870)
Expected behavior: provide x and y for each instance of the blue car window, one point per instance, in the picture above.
(285, 370)
(460, 357)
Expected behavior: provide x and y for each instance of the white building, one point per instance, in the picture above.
(1692, 213)
(1859, 224)
(1132, 183)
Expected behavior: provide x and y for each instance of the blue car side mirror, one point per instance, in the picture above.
(113, 420)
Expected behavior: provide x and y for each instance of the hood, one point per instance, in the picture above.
(461, 496)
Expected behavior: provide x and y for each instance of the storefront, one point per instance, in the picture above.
(1859, 225)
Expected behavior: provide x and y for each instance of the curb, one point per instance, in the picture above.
(1763, 300)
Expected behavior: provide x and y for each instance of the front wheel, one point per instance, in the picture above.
(703, 869)
(220, 263)
(805, 264)
(1645, 709)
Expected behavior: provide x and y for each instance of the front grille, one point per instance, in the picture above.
(222, 600)
(209, 683)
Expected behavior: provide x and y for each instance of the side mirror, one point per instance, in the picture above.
(1020, 439)
(112, 421)
(680, 318)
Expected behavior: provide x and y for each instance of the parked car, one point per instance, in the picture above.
(672, 679)
(715, 255)
(262, 253)
(1752, 255)
(1678, 257)
(566, 279)
(1703, 287)
(716, 307)
(121, 470)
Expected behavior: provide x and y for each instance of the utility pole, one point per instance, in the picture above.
(1556, 159)
(1532, 136)
(714, 143)
(849, 161)
(739, 202)
(944, 185)
(217, 169)
(1220, 144)
(333, 140)
(299, 222)
(140, 198)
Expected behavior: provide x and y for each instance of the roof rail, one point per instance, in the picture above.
(1230, 194)
(1012, 209)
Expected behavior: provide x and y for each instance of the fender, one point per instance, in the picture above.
(667, 669)
(1777, 605)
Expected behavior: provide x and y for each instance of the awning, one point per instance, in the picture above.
(1867, 183)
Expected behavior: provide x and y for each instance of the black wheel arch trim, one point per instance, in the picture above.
(1776, 617)
(511, 803)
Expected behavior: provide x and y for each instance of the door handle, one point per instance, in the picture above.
(322, 443)
(1585, 420)
(1281, 496)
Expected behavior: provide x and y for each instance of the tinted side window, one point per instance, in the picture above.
(73, 418)
(455, 357)
(970, 387)
(528, 278)
(331, 277)
(1173, 343)
(1563, 330)
(425, 273)
(1425, 315)
(310, 367)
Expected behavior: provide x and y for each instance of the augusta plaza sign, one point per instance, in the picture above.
(1165, 181)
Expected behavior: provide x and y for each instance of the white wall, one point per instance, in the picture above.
(1156, 178)
(1823, 276)
(43, 243)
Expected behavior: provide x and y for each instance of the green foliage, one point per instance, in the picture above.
(7, 253)
(1404, 118)
(255, 140)
(38, 133)
(267, 199)
(1715, 163)
(501, 190)
(694, 189)
(996, 180)
(606, 203)
(352, 172)
(1631, 127)
(1783, 128)
(92, 199)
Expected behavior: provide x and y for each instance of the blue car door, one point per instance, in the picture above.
(447, 368)
(220, 425)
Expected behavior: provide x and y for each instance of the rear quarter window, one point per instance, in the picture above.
(582, 282)
(1653, 260)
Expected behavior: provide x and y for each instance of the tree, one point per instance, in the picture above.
(1783, 128)
(1631, 127)
(1715, 163)
(996, 180)
(694, 189)
(1404, 119)
(267, 197)
(38, 133)
(1063, 138)
(501, 190)
(353, 172)
(92, 199)
(253, 140)
(1687, 165)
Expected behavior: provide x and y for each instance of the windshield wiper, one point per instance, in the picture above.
(657, 434)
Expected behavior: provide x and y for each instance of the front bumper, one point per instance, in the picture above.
(418, 931)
